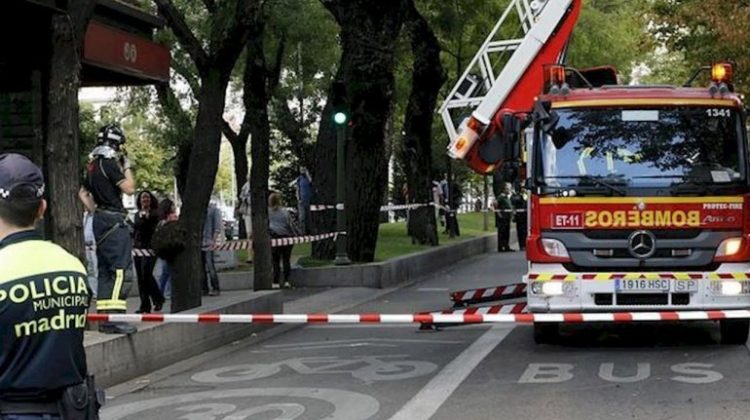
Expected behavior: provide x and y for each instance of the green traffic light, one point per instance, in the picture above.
(340, 118)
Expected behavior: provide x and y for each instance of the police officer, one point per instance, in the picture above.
(108, 176)
(503, 216)
(519, 205)
(44, 296)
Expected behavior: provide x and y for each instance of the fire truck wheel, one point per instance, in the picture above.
(546, 332)
(734, 331)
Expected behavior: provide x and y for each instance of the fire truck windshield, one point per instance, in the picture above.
(615, 149)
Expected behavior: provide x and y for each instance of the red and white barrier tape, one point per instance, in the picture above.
(321, 207)
(390, 207)
(239, 244)
(453, 318)
(493, 293)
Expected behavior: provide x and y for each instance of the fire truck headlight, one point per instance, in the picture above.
(731, 288)
(554, 248)
(552, 288)
(729, 247)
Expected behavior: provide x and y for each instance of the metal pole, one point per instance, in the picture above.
(342, 258)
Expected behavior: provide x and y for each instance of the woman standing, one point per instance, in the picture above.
(280, 226)
(145, 225)
(167, 215)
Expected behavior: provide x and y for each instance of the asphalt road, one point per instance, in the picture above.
(470, 372)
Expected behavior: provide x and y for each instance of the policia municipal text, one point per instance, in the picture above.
(44, 296)
(108, 175)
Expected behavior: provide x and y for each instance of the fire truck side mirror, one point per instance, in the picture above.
(512, 140)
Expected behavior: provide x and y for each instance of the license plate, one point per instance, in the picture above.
(642, 285)
(684, 286)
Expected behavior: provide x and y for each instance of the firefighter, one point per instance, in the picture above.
(503, 216)
(44, 295)
(108, 176)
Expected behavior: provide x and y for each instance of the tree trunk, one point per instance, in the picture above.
(427, 79)
(182, 127)
(369, 31)
(324, 176)
(204, 162)
(62, 144)
(239, 150)
(256, 106)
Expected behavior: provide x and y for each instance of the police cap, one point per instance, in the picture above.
(19, 177)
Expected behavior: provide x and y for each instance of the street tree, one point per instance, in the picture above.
(427, 79)
(698, 33)
(230, 24)
(369, 31)
(61, 151)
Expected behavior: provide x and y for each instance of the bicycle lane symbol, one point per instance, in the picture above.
(366, 368)
(208, 405)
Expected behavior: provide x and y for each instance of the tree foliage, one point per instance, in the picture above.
(610, 32)
(695, 33)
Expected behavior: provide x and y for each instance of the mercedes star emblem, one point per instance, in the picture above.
(642, 244)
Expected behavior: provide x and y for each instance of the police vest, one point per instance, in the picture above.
(44, 296)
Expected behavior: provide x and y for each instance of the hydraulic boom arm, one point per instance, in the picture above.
(547, 26)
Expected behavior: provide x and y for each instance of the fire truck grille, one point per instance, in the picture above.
(607, 299)
(643, 299)
(659, 234)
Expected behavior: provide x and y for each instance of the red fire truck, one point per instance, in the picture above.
(639, 194)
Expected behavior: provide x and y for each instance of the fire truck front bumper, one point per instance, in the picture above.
(550, 288)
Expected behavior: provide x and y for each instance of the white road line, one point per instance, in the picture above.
(429, 400)
(433, 289)
(383, 326)
(359, 341)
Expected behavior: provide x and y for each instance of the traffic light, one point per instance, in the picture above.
(340, 118)
(338, 100)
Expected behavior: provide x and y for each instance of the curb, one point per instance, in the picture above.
(115, 359)
(397, 270)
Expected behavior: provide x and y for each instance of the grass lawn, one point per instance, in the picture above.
(393, 241)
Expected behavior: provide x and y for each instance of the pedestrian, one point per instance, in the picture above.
(108, 176)
(211, 235)
(144, 227)
(304, 187)
(42, 371)
(437, 201)
(167, 215)
(520, 216)
(503, 216)
(280, 226)
(245, 212)
(90, 245)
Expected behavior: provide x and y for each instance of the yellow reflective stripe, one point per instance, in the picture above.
(552, 276)
(681, 276)
(118, 284)
(637, 200)
(713, 276)
(645, 102)
(33, 258)
(105, 305)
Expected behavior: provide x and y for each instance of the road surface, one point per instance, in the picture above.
(472, 372)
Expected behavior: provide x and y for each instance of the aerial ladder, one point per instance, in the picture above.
(504, 77)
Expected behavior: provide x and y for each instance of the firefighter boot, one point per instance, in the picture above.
(111, 327)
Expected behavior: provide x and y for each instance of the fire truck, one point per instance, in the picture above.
(639, 195)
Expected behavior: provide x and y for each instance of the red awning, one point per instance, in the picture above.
(122, 58)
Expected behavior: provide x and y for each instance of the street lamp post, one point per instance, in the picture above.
(342, 258)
